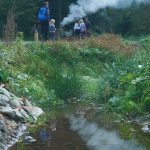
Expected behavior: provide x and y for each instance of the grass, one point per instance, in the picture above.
(134, 38)
(101, 69)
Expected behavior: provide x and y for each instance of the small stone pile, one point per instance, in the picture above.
(14, 115)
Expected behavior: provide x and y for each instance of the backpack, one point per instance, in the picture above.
(41, 16)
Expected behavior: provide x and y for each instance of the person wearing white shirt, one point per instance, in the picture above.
(77, 29)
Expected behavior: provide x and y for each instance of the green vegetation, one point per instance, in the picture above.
(100, 69)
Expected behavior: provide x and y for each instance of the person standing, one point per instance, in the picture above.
(82, 29)
(88, 26)
(52, 29)
(77, 29)
(44, 17)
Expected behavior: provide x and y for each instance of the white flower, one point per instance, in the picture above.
(140, 66)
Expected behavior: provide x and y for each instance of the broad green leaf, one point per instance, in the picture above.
(131, 103)
(146, 99)
(3, 77)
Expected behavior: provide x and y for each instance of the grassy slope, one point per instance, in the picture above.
(101, 69)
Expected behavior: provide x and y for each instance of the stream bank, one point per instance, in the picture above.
(15, 113)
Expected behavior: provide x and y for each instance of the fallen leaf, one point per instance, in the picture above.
(1, 112)
(12, 127)
(132, 130)
(18, 108)
(23, 99)
(20, 141)
(7, 132)
(41, 124)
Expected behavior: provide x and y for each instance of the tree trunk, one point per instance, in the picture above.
(59, 12)
(113, 16)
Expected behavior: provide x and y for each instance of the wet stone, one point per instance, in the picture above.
(28, 140)
(15, 103)
(21, 103)
(33, 110)
(3, 129)
(1, 138)
(12, 95)
(3, 104)
(4, 98)
(12, 113)
(24, 113)
(2, 147)
(26, 103)
(12, 123)
(6, 93)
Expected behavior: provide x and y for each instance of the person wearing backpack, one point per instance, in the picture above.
(44, 17)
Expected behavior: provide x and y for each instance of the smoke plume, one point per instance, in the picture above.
(83, 7)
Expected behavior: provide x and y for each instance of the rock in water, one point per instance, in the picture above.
(28, 140)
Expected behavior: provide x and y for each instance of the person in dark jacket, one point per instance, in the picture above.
(45, 23)
(88, 26)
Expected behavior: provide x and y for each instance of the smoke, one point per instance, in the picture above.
(83, 7)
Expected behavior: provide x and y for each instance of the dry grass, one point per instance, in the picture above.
(107, 42)
(111, 42)
(10, 29)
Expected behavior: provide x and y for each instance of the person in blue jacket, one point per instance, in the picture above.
(45, 23)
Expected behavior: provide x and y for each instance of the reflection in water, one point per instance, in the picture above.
(87, 135)
(45, 134)
(98, 138)
(53, 121)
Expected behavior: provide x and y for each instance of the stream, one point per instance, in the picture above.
(85, 127)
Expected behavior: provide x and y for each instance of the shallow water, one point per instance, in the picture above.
(82, 127)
